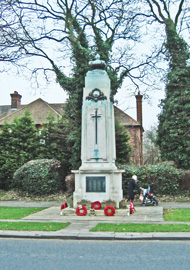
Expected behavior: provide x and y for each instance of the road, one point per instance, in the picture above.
(22, 254)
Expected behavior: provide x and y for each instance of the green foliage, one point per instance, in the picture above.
(53, 139)
(74, 87)
(38, 177)
(173, 130)
(123, 148)
(174, 120)
(19, 143)
(163, 178)
(177, 48)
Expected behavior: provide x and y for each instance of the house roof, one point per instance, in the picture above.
(124, 118)
(39, 110)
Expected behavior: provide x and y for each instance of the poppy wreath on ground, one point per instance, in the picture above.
(96, 205)
(109, 210)
(64, 205)
(81, 210)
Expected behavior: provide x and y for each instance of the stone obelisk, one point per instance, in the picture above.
(98, 178)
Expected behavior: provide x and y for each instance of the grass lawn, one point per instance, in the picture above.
(177, 215)
(32, 226)
(21, 212)
(143, 228)
(18, 212)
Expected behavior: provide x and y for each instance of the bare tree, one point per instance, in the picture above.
(67, 34)
(9, 27)
(52, 30)
(173, 17)
(151, 150)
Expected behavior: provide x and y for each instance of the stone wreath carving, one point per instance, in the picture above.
(96, 95)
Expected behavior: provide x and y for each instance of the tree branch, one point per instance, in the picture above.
(159, 11)
(179, 12)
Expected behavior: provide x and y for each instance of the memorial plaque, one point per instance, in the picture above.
(95, 184)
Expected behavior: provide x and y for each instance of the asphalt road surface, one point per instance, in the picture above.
(22, 254)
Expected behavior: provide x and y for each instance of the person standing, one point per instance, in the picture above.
(132, 185)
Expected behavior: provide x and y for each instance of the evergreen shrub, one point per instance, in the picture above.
(163, 179)
(38, 177)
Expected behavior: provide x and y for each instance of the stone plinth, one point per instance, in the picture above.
(112, 191)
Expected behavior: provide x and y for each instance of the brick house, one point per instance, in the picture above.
(40, 109)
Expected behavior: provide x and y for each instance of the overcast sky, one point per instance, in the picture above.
(153, 36)
(53, 93)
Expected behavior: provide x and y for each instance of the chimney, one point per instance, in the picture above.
(139, 119)
(139, 107)
(15, 100)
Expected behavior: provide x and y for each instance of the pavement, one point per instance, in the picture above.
(80, 226)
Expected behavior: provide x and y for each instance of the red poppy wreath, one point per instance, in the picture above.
(109, 210)
(64, 205)
(96, 205)
(81, 210)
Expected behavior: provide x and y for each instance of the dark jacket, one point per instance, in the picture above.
(132, 185)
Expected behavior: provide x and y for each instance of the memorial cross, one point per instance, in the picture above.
(96, 116)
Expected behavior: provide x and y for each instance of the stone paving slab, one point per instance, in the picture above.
(142, 214)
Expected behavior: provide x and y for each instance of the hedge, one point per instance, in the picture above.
(163, 179)
(38, 177)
